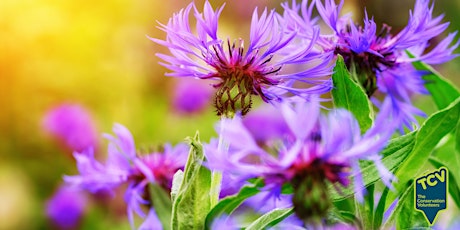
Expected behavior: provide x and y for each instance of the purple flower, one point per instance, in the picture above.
(72, 125)
(265, 123)
(151, 222)
(322, 148)
(230, 185)
(66, 208)
(124, 166)
(265, 68)
(378, 58)
(191, 96)
(263, 202)
(225, 223)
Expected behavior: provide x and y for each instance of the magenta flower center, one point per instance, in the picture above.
(369, 60)
(240, 77)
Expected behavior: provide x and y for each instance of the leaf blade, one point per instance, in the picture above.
(162, 204)
(230, 203)
(192, 202)
(430, 133)
(351, 96)
(441, 89)
(270, 218)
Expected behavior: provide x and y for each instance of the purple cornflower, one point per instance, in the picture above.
(267, 68)
(225, 223)
(378, 59)
(265, 123)
(320, 148)
(72, 125)
(263, 202)
(66, 208)
(191, 96)
(124, 166)
(151, 222)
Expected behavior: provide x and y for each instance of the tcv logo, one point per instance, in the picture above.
(431, 193)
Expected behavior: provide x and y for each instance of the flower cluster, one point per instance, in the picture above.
(380, 60)
(314, 150)
(266, 68)
(294, 144)
(124, 166)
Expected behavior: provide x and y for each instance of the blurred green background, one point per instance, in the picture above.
(95, 53)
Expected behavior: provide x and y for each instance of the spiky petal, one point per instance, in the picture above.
(266, 68)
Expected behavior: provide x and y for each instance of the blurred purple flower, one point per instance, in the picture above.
(151, 222)
(264, 201)
(191, 96)
(239, 72)
(73, 125)
(230, 185)
(225, 223)
(322, 148)
(66, 208)
(379, 58)
(265, 123)
(124, 166)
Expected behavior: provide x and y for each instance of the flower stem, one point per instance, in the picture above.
(216, 179)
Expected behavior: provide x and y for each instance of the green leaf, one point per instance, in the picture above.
(176, 183)
(407, 194)
(441, 89)
(446, 155)
(270, 219)
(430, 133)
(339, 216)
(345, 204)
(408, 217)
(457, 140)
(453, 182)
(230, 203)
(380, 209)
(365, 211)
(351, 96)
(404, 214)
(162, 204)
(395, 153)
(192, 202)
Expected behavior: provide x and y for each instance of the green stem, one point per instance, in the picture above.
(216, 179)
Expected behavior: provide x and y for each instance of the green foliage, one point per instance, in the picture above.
(365, 210)
(457, 140)
(448, 156)
(396, 151)
(349, 95)
(404, 155)
(162, 204)
(270, 219)
(337, 215)
(404, 213)
(192, 202)
(380, 209)
(453, 181)
(442, 91)
(177, 182)
(430, 133)
(230, 203)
